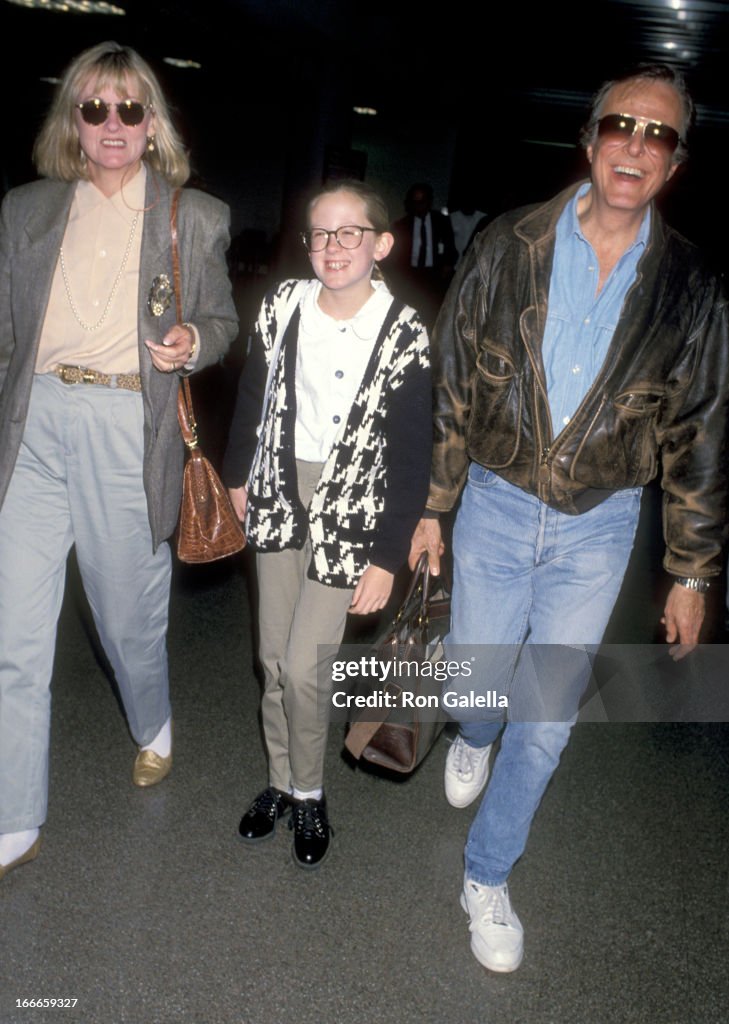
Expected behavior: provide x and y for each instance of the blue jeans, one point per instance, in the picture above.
(526, 574)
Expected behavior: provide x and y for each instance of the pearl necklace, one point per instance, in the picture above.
(107, 307)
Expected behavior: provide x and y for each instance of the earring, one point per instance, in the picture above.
(150, 144)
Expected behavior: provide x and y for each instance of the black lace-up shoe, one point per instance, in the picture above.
(259, 821)
(312, 832)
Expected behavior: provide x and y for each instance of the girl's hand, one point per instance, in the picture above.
(372, 592)
(239, 501)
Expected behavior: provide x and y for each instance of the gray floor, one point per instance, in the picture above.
(144, 907)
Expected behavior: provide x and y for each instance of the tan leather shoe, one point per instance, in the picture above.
(30, 854)
(150, 768)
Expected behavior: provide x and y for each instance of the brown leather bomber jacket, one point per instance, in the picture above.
(662, 390)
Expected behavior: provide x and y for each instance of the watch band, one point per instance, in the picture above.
(697, 583)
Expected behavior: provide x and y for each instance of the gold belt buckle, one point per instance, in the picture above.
(88, 376)
(65, 373)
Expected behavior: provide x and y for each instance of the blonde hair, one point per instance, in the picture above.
(57, 153)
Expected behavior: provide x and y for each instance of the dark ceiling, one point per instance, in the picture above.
(382, 50)
(499, 72)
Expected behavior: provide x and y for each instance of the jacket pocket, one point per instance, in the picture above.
(619, 448)
(495, 367)
(639, 402)
(494, 428)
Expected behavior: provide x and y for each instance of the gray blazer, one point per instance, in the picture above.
(32, 224)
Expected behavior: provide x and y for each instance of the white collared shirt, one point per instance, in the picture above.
(331, 359)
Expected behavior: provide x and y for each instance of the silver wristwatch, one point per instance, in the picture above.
(697, 583)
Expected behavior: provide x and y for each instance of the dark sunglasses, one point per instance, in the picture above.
(657, 137)
(129, 112)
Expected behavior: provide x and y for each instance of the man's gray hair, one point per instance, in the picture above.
(648, 73)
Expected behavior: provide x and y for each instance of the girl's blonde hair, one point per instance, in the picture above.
(57, 153)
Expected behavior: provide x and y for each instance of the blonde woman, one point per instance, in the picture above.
(91, 452)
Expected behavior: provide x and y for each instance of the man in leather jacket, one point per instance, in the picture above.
(581, 345)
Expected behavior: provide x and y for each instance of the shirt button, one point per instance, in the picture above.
(342, 330)
(577, 369)
(565, 420)
(339, 374)
(102, 253)
(94, 302)
(586, 320)
(336, 419)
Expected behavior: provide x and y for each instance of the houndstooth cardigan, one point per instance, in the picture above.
(374, 482)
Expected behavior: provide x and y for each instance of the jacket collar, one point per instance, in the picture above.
(156, 239)
(156, 259)
(47, 222)
(539, 224)
(538, 229)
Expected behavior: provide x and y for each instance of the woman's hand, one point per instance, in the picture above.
(239, 501)
(372, 592)
(176, 349)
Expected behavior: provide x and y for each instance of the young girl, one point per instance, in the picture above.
(328, 462)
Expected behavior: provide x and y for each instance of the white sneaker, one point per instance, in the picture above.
(466, 772)
(497, 937)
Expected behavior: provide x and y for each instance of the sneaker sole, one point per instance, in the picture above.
(496, 968)
(460, 804)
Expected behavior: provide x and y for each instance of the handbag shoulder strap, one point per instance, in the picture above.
(176, 277)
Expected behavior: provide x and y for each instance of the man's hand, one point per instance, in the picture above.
(427, 537)
(682, 617)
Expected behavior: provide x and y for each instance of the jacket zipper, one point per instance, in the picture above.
(545, 474)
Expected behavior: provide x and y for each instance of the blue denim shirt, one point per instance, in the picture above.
(580, 323)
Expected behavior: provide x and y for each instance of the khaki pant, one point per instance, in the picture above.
(295, 614)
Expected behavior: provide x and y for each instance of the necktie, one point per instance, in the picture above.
(423, 243)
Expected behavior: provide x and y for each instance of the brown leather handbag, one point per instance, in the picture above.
(209, 528)
(382, 737)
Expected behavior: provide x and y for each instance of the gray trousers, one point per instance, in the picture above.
(296, 614)
(78, 479)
